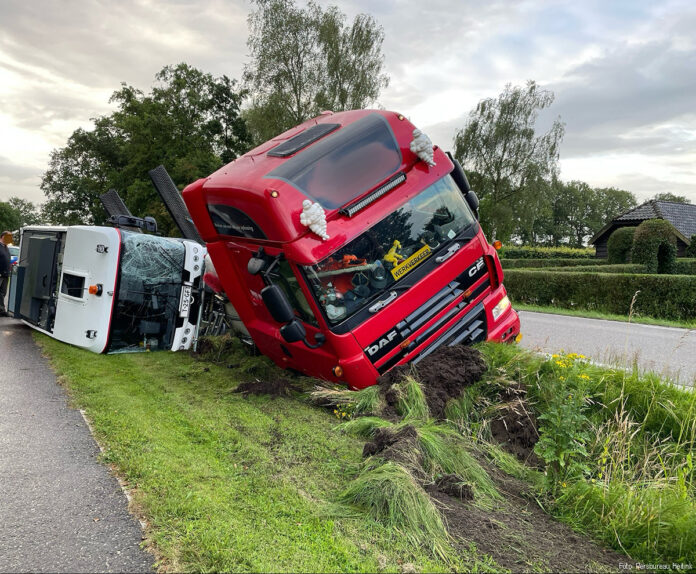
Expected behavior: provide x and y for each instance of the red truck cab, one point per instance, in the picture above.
(397, 267)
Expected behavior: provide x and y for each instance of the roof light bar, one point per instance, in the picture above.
(393, 182)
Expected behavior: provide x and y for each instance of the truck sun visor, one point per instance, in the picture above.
(345, 165)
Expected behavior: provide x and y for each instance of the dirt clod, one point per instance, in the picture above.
(515, 429)
(397, 446)
(455, 486)
(444, 375)
(277, 388)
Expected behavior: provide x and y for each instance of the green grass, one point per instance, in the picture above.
(634, 483)
(227, 482)
(608, 316)
(390, 494)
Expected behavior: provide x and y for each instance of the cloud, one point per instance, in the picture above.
(624, 73)
(18, 180)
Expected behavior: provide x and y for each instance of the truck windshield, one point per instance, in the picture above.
(150, 280)
(367, 266)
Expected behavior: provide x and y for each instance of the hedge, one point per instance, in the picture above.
(512, 252)
(539, 263)
(620, 244)
(624, 268)
(683, 266)
(655, 246)
(691, 249)
(661, 296)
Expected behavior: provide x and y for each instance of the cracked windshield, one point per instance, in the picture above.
(367, 266)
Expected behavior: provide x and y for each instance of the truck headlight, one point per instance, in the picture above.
(501, 307)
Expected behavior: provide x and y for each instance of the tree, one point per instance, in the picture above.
(667, 196)
(499, 142)
(9, 217)
(304, 61)
(190, 122)
(578, 211)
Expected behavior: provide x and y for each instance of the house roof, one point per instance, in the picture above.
(682, 216)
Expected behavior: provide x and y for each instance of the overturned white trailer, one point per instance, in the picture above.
(107, 289)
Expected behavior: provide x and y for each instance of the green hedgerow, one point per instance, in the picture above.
(655, 246)
(691, 249)
(620, 244)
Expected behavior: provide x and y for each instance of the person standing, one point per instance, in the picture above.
(5, 240)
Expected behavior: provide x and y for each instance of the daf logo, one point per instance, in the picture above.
(383, 342)
(476, 267)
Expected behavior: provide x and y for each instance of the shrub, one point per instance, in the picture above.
(691, 249)
(525, 252)
(655, 246)
(620, 244)
(537, 263)
(664, 297)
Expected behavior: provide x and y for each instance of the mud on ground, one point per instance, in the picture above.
(444, 375)
(520, 536)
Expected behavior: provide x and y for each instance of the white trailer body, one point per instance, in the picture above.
(109, 290)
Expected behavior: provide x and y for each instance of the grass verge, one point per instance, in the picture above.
(229, 482)
(635, 318)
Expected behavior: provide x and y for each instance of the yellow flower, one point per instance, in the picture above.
(564, 485)
(562, 378)
(584, 376)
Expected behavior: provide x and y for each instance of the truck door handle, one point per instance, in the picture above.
(383, 303)
(451, 251)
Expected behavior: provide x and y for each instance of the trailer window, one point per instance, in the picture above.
(345, 164)
(370, 264)
(73, 285)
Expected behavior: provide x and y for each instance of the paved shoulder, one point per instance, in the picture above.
(668, 351)
(60, 509)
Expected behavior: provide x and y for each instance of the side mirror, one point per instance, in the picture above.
(473, 201)
(294, 331)
(277, 304)
(459, 176)
(256, 265)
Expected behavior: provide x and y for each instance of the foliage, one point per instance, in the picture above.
(560, 262)
(306, 60)
(16, 213)
(635, 489)
(691, 249)
(527, 252)
(563, 435)
(189, 122)
(579, 211)
(660, 296)
(655, 246)
(500, 148)
(620, 244)
(668, 196)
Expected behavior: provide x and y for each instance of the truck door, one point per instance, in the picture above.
(90, 258)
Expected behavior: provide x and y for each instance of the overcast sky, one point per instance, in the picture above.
(623, 72)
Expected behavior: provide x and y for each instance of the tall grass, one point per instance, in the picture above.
(412, 404)
(445, 452)
(390, 494)
(638, 488)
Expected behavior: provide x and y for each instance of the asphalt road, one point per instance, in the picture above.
(667, 351)
(60, 509)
